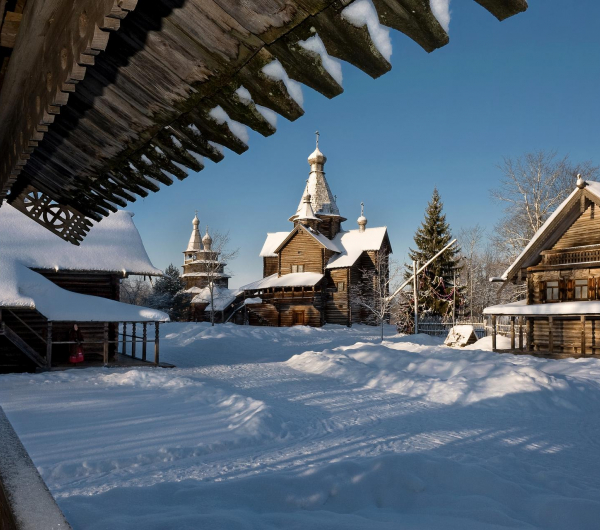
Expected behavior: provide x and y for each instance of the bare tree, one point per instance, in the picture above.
(135, 291)
(531, 187)
(470, 242)
(216, 257)
(372, 293)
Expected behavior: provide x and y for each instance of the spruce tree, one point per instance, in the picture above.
(435, 282)
(167, 293)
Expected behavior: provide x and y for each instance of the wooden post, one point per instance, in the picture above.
(416, 295)
(493, 332)
(582, 334)
(144, 339)
(529, 334)
(512, 333)
(124, 338)
(520, 333)
(550, 336)
(49, 346)
(105, 343)
(156, 345)
(133, 338)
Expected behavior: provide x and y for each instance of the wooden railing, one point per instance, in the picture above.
(567, 256)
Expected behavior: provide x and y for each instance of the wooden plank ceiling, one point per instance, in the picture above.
(103, 100)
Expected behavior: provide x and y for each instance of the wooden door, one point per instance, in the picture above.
(298, 319)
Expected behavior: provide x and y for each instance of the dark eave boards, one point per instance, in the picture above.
(105, 100)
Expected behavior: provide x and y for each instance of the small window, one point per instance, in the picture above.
(552, 291)
(194, 256)
(581, 289)
(297, 268)
(341, 286)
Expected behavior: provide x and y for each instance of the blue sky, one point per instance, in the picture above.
(443, 119)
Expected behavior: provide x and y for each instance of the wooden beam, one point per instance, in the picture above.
(124, 339)
(10, 29)
(144, 340)
(494, 333)
(530, 324)
(520, 333)
(105, 345)
(502, 9)
(550, 335)
(582, 334)
(512, 332)
(156, 344)
(49, 346)
(133, 340)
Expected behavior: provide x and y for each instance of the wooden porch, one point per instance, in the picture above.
(551, 336)
(114, 344)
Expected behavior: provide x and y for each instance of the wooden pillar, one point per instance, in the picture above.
(133, 338)
(144, 339)
(49, 346)
(156, 344)
(550, 335)
(512, 333)
(124, 339)
(493, 332)
(529, 334)
(105, 343)
(520, 333)
(582, 334)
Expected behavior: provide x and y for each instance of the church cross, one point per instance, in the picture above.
(317, 133)
(362, 209)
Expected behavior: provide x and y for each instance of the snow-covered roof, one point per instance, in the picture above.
(222, 297)
(460, 335)
(591, 186)
(274, 239)
(585, 307)
(353, 243)
(21, 287)
(294, 279)
(113, 244)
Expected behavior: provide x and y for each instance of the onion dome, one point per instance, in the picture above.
(362, 220)
(207, 240)
(316, 157)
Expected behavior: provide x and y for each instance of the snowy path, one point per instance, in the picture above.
(359, 435)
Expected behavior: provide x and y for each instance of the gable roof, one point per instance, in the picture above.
(274, 239)
(112, 245)
(320, 238)
(354, 242)
(566, 213)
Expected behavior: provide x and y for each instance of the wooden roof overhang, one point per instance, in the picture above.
(103, 100)
(551, 233)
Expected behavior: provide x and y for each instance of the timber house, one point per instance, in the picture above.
(47, 285)
(560, 269)
(309, 272)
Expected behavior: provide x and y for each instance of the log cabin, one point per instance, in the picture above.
(102, 100)
(47, 285)
(560, 271)
(309, 272)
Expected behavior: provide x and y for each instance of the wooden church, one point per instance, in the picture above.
(309, 272)
(560, 270)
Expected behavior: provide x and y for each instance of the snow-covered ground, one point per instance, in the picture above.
(317, 428)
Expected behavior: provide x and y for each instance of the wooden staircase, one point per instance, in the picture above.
(21, 345)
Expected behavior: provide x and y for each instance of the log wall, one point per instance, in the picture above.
(105, 285)
(567, 335)
(270, 266)
(337, 306)
(302, 249)
(584, 231)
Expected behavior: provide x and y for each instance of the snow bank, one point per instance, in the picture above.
(435, 374)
